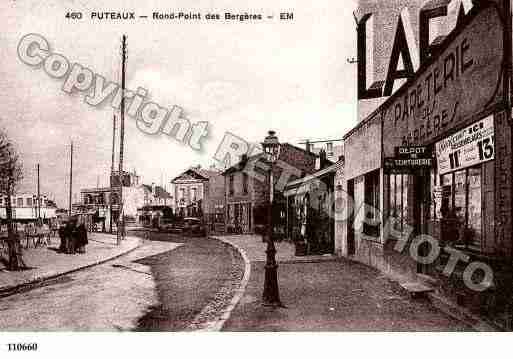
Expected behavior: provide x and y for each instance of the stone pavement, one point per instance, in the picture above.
(329, 295)
(46, 262)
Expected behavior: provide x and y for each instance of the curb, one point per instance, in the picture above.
(40, 281)
(217, 325)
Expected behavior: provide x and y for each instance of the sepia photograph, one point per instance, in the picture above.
(254, 167)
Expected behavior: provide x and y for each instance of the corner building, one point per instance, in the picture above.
(457, 109)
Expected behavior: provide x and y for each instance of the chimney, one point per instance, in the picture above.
(308, 146)
(322, 159)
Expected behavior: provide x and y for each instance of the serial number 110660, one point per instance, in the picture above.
(22, 347)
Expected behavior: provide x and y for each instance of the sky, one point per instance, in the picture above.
(242, 77)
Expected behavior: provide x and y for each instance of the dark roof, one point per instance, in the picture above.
(240, 165)
(159, 191)
(205, 174)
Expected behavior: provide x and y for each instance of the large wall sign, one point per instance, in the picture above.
(363, 148)
(468, 147)
(459, 84)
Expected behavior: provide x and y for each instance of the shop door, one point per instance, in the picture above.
(350, 222)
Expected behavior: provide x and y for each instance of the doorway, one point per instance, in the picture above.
(351, 248)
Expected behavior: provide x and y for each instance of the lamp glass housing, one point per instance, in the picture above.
(271, 147)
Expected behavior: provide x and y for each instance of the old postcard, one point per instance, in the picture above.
(243, 166)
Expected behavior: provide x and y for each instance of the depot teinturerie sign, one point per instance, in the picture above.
(468, 147)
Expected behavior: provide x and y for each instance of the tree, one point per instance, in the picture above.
(10, 176)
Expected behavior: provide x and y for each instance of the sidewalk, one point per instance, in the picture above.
(46, 263)
(255, 249)
(329, 295)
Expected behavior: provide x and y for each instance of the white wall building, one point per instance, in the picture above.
(25, 207)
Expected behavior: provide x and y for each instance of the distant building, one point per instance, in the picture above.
(246, 187)
(101, 202)
(25, 207)
(333, 148)
(198, 191)
(156, 195)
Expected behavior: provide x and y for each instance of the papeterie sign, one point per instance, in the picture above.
(461, 81)
(468, 147)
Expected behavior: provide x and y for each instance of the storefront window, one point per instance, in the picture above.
(404, 200)
(461, 206)
(446, 206)
(399, 199)
(460, 196)
(474, 206)
(392, 192)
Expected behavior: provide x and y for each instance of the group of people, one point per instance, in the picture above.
(73, 236)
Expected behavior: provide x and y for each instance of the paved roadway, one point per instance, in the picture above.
(162, 285)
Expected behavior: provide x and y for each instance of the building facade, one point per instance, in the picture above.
(103, 203)
(25, 207)
(310, 214)
(198, 192)
(428, 172)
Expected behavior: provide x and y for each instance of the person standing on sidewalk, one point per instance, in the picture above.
(81, 236)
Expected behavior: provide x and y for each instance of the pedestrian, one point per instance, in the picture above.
(71, 235)
(81, 237)
(64, 234)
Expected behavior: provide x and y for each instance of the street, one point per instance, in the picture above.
(163, 285)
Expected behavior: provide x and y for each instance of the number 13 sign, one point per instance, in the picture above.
(472, 145)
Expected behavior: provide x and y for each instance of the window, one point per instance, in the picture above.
(461, 206)
(372, 193)
(398, 199)
(1, 201)
(231, 186)
(20, 202)
(29, 202)
(245, 182)
(194, 194)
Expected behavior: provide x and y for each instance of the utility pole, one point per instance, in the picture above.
(38, 208)
(121, 221)
(112, 168)
(70, 177)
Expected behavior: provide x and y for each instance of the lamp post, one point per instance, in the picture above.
(271, 295)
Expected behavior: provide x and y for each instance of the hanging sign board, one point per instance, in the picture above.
(408, 159)
(399, 165)
(413, 152)
(468, 147)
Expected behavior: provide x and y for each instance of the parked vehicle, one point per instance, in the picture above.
(193, 226)
(167, 224)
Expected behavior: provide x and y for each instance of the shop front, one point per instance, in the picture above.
(453, 110)
(310, 211)
(445, 170)
(238, 217)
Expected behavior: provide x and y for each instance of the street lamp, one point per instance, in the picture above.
(271, 295)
